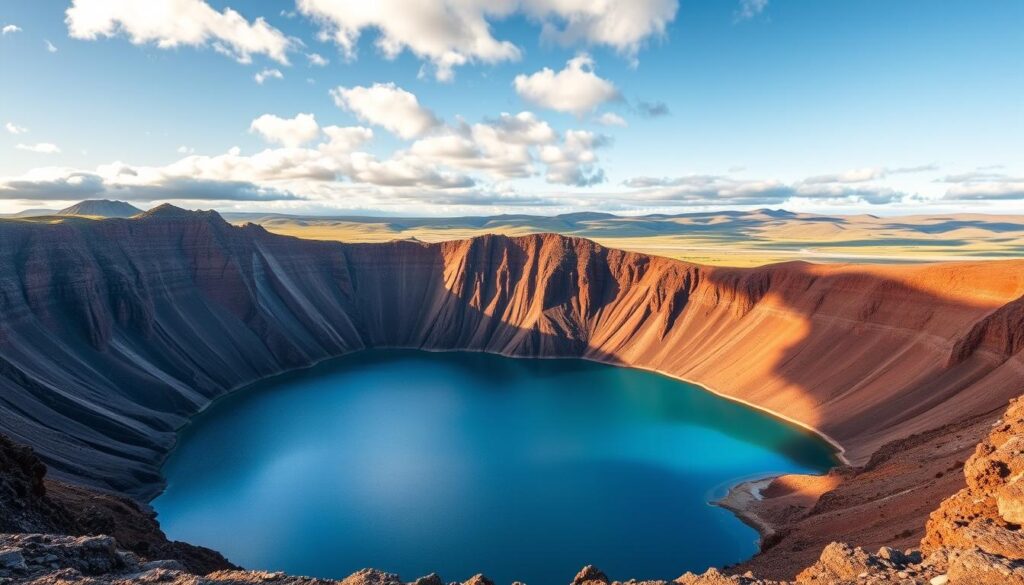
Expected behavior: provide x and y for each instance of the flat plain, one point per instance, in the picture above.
(742, 238)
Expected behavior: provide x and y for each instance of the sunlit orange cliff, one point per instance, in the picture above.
(114, 332)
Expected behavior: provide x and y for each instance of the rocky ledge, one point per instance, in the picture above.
(30, 503)
(46, 559)
(973, 538)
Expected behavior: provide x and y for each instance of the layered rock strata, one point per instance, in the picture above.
(113, 333)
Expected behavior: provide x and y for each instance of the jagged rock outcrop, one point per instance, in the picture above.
(883, 503)
(24, 505)
(31, 504)
(114, 332)
(47, 559)
(590, 575)
(980, 525)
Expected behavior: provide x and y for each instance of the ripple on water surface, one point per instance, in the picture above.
(459, 463)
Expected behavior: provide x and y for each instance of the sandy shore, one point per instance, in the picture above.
(742, 500)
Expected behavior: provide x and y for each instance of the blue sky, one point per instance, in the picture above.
(649, 106)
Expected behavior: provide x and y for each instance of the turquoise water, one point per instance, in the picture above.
(461, 463)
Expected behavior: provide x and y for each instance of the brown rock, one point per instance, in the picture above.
(710, 577)
(993, 537)
(974, 567)
(371, 577)
(1010, 500)
(838, 562)
(984, 517)
(589, 575)
(896, 557)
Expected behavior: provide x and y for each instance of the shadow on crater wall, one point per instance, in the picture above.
(113, 333)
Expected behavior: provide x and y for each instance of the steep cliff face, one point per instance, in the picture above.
(113, 333)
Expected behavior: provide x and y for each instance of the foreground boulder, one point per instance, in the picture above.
(980, 526)
(590, 575)
(46, 559)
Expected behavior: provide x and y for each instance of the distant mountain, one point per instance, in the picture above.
(39, 212)
(101, 208)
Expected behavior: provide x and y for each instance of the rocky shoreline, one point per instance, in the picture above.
(881, 503)
(973, 538)
(742, 500)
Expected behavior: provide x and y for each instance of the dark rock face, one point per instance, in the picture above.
(24, 506)
(114, 332)
(29, 503)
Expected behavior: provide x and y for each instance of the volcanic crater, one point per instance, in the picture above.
(113, 333)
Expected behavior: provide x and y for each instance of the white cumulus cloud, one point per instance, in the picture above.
(388, 106)
(172, 23)
(458, 164)
(13, 128)
(504, 148)
(515, 146)
(447, 33)
(574, 162)
(344, 139)
(288, 132)
(40, 148)
(621, 24)
(268, 74)
(984, 185)
(451, 33)
(317, 60)
(50, 47)
(576, 89)
(865, 174)
(611, 119)
(718, 190)
(10, 29)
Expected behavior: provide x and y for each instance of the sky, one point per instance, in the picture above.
(479, 107)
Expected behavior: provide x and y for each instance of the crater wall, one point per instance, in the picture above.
(113, 333)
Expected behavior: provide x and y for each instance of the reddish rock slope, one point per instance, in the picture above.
(114, 332)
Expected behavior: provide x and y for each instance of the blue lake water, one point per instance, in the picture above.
(459, 463)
